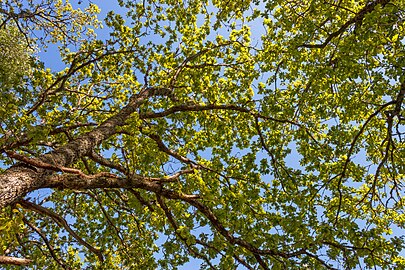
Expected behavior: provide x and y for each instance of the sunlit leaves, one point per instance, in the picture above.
(268, 133)
(15, 59)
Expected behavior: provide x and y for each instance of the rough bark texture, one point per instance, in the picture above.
(16, 182)
(22, 178)
(14, 261)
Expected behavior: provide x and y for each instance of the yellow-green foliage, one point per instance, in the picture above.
(15, 58)
(284, 117)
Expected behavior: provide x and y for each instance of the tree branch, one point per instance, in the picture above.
(358, 18)
(19, 180)
(62, 222)
(14, 261)
(50, 247)
(208, 107)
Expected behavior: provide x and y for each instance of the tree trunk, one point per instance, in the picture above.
(27, 176)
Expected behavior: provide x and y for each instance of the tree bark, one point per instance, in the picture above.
(22, 178)
(14, 261)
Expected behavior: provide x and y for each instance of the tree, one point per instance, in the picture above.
(186, 134)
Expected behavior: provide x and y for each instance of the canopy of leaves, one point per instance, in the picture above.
(14, 58)
(253, 134)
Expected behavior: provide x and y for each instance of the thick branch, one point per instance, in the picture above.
(21, 179)
(14, 261)
(156, 187)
